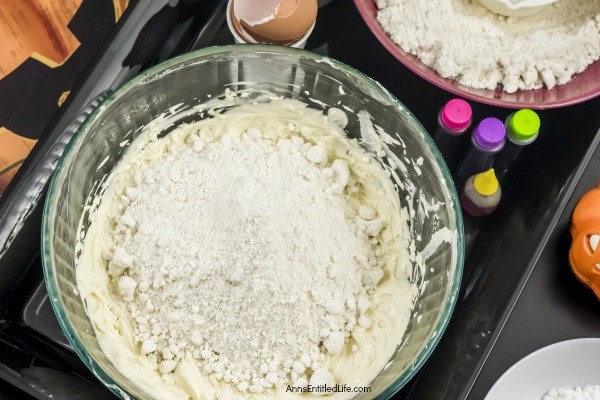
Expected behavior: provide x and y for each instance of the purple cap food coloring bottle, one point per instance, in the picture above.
(488, 139)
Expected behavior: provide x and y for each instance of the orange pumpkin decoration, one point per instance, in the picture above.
(584, 255)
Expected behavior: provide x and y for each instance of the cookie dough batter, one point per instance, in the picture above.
(252, 252)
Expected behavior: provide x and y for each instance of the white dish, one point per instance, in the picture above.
(516, 8)
(561, 365)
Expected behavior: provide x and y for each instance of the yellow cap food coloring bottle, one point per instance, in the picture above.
(481, 194)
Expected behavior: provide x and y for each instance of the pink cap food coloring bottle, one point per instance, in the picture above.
(454, 119)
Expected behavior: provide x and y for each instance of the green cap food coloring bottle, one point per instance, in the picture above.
(522, 128)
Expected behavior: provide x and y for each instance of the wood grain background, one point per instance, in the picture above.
(45, 46)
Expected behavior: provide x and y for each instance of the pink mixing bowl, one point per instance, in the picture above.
(584, 86)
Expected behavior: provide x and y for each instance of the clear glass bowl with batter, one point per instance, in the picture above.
(319, 81)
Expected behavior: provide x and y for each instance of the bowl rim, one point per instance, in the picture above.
(368, 8)
(52, 201)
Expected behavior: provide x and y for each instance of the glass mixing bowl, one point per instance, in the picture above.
(99, 144)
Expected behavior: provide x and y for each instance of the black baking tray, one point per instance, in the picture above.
(552, 305)
(497, 324)
(504, 251)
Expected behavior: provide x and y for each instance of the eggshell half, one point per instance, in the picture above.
(290, 20)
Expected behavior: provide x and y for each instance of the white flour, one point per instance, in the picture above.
(463, 40)
(246, 253)
(578, 393)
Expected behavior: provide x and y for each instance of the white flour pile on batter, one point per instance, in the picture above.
(578, 393)
(245, 253)
(463, 40)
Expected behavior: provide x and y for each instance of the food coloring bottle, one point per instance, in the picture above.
(522, 128)
(487, 140)
(454, 119)
(481, 194)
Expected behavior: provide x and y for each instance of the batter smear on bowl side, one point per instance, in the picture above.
(246, 254)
